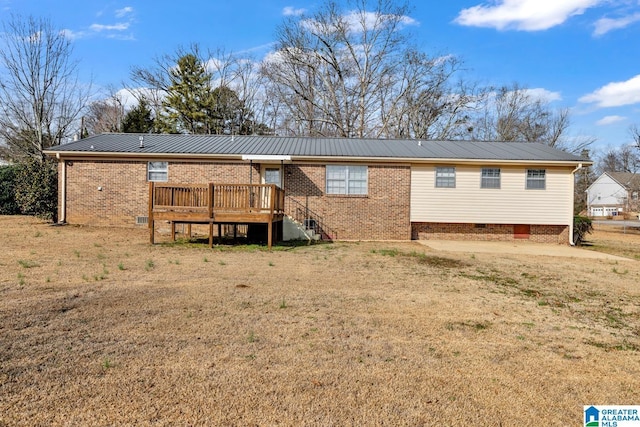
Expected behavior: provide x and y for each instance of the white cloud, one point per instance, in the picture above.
(116, 27)
(604, 25)
(291, 11)
(524, 15)
(609, 120)
(73, 35)
(615, 94)
(123, 12)
(131, 97)
(543, 94)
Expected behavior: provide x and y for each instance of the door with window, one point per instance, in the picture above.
(270, 174)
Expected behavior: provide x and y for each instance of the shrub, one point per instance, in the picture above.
(8, 204)
(581, 227)
(37, 188)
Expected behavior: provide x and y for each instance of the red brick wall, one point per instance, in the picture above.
(383, 214)
(123, 194)
(490, 232)
(124, 190)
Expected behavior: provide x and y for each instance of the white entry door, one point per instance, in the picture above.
(269, 175)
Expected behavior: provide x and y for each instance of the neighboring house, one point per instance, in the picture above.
(351, 189)
(613, 193)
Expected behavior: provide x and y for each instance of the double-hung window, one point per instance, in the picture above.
(346, 179)
(445, 177)
(490, 178)
(536, 179)
(158, 171)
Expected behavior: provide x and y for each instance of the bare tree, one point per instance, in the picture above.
(40, 94)
(620, 159)
(104, 115)
(351, 72)
(512, 113)
(436, 108)
(634, 130)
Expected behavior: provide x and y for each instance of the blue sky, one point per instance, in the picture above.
(583, 54)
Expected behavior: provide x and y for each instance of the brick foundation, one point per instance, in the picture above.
(558, 234)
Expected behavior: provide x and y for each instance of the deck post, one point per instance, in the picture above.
(270, 233)
(272, 199)
(211, 234)
(210, 200)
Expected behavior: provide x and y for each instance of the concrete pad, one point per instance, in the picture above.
(522, 248)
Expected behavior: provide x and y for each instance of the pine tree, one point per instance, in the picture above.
(189, 99)
(138, 119)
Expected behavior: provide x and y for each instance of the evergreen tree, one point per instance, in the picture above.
(138, 119)
(229, 114)
(189, 99)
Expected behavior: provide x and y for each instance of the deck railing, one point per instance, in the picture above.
(209, 198)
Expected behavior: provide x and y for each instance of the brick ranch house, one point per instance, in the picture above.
(351, 189)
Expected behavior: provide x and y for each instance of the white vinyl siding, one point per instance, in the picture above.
(445, 177)
(158, 171)
(346, 179)
(490, 178)
(513, 204)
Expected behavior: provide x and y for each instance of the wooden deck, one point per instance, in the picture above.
(216, 204)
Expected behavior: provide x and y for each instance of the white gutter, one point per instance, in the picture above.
(573, 183)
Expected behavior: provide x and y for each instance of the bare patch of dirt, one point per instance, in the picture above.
(97, 327)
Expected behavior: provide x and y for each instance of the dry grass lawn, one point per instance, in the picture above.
(97, 327)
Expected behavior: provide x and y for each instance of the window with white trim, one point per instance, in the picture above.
(445, 177)
(346, 179)
(158, 171)
(490, 178)
(536, 179)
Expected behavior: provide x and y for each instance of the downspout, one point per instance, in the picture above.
(573, 190)
(63, 192)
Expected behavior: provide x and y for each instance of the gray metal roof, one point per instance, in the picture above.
(300, 147)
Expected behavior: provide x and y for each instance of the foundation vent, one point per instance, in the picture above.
(142, 220)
